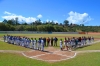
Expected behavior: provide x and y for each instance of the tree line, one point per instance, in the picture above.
(38, 25)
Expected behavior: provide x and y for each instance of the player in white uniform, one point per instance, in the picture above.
(4, 38)
(42, 45)
(35, 44)
(69, 45)
(65, 44)
(39, 44)
(61, 44)
(23, 41)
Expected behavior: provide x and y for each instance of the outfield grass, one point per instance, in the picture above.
(53, 35)
(86, 59)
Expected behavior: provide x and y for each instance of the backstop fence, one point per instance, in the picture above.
(38, 32)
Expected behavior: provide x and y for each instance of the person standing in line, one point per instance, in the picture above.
(44, 39)
(13, 40)
(51, 41)
(48, 41)
(79, 42)
(89, 40)
(85, 39)
(38, 43)
(23, 41)
(92, 38)
(42, 45)
(29, 42)
(55, 41)
(69, 44)
(4, 37)
(76, 42)
(35, 44)
(8, 38)
(65, 44)
(32, 41)
(26, 42)
(61, 44)
(20, 41)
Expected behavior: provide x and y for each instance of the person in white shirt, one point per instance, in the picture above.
(35, 46)
(42, 45)
(61, 44)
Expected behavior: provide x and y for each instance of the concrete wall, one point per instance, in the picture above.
(35, 32)
(22, 32)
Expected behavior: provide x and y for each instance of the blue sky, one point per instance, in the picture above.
(76, 11)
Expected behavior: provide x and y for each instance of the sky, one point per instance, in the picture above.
(85, 12)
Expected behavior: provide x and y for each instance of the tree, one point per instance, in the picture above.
(16, 21)
(19, 28)
(71, 24)
(5, 21)
(52, 22)
(2, 27)
(60, 24)
(10, 22)
(38, 22)
(25, 23)
(56, 23)
(66, 22)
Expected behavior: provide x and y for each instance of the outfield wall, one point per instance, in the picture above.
(22, 32)
(35, 32)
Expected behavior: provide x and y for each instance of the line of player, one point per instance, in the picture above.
(72, 43)
(25, 42)
(38, 44)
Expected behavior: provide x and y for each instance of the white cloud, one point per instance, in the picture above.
(78, 18)
(20, 17)
(47, 20)
(55, 21)
(7, 13)
(39, 16)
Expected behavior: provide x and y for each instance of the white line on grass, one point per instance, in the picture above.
(36, 57)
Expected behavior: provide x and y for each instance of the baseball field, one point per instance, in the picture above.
(13, 55)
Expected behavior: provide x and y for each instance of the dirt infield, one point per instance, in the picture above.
(51, 55)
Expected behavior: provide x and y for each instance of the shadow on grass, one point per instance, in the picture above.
(75, 49)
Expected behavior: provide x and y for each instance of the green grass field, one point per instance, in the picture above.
(86, 59)
(91, 47)
(82, 59)
(6, 46)
(52, 35)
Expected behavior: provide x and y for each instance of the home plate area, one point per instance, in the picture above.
(50, 55)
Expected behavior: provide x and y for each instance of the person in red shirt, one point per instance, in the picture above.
(48, 41)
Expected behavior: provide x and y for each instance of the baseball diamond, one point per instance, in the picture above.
(49, 54)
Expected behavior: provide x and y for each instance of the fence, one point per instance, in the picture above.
(37, 32)
(22, 32)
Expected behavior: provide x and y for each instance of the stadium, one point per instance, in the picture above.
(49, 33)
